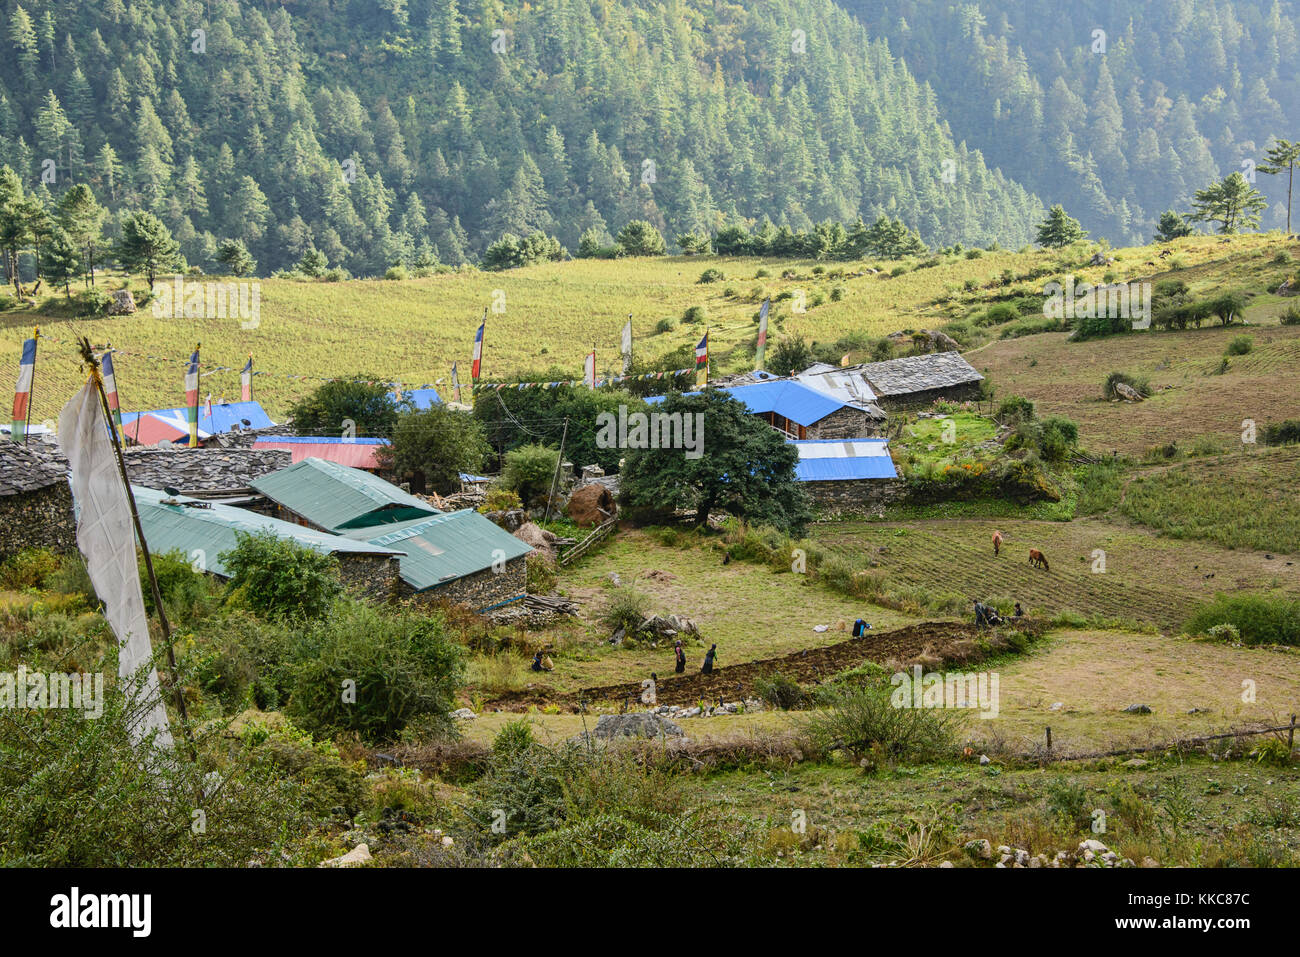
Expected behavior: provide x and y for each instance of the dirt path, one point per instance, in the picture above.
(951, 642)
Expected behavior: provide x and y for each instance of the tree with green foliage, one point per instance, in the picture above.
(431, 448)
(511, 252)
(359, 406)
(1282, 157)
(1172, 226)
(640, 238)
(63, 261)
(790, 355)
(313, 263)
(13, 223)
(746, 468)
(82, 218)
(1232, 203)
(278, 578)
(234, 255)
(1059, 229)
(530, 472)
(147, 246)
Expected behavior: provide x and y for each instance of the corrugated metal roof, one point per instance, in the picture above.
(445, 547)
(225, 416)
(353, 453)
(337, 497)
(214, 529)
(849, 386)
(422, 398)
(785, 397)
(150, 429)
(935, 370)
(832, 460)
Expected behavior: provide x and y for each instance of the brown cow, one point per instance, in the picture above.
(1038, 559)
(997, 543)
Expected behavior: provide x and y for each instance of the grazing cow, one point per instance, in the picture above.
(1037, 559)
(997, 543)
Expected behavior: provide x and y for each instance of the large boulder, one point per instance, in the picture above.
(122, 304)
(591, 505)
(1127, 392)
(638, 724)
(510, 520)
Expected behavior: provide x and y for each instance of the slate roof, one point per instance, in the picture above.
(337, 497)
(441, 548)
(935, 370)
(29, 468)
(190, 470)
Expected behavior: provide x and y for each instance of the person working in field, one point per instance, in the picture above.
(985, 615)
(709, 658)
(679, 653)
(542, 662)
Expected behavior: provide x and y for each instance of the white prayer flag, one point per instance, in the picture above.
(106, 537)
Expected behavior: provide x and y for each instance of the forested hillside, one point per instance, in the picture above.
(1186, 91)
(398, 130)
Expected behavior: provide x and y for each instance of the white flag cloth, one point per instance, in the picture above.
(106, 537)
(627, 347)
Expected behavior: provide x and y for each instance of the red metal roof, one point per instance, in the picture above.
(341, 453)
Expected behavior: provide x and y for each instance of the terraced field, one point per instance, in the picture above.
(1147, 578)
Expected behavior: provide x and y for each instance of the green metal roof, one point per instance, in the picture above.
(444, 547)
(337, 497)
(212, 530)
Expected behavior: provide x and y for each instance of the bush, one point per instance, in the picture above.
(1240, 346)
(1259, 620)
(665, 325)
(279, 578)
(711, 275)
(1291, 317)
(540, 574)
(1224, 632)
(1015, 409)
(1282, 433)
(1138, 384)
(999, 314)
(865, 721)
(530, 472)
(790, 355)
(29, 568)
(695, 315)
(780, 691)
(93, 301)
(501, 500)
(625, 608)
(365, 672)
(397, 272)
(186, 592)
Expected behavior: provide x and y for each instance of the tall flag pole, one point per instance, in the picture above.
(476, 366)
(23, 390)
(761, 354)
(627, 345)
(192, 396)
(702, 360)
(589, 373)
(455, 384)
(110, 387)
(246, 380)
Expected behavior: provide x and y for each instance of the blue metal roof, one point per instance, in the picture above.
(793, 400)
(422, 398)
(835, 460)
(320, 440)
(225, 416)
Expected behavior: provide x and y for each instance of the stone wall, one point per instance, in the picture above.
(479, 590)
(964, 392)
(846, 423)
(373, 577)
(42, 518)
(854, 497)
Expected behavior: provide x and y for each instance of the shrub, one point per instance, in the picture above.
(1240, 346)
(665, 325)
(790, 355)
(501, 500)
(397, 272)
(866, 721)
(186, 591)
(365, 672)
(780, 691)
(998, 314)
(625, 608)
(1282, 433)
(1291, 317)
(530, 471)
(695, 315)
(1015, 409)
(29, 568)
(711, 275)
(279, 578)
(540, 574)
(93, 301)
(1138, 384)
(515, 737)
(1224, 632)
(1258, 619)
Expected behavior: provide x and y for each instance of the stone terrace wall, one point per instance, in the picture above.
(479, 590)
(38, 519)
(855, 496)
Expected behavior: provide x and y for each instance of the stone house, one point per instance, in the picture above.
(916, 381)
(35, 500)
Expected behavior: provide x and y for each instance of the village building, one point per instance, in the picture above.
(35, 500)
(202, 531)
(916, 381)
(855, 476)
(172, 425)
(459, 557)
(799, 411)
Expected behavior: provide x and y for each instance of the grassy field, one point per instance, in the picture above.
(1147, 578)
(412, 330)
(1243, 500)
